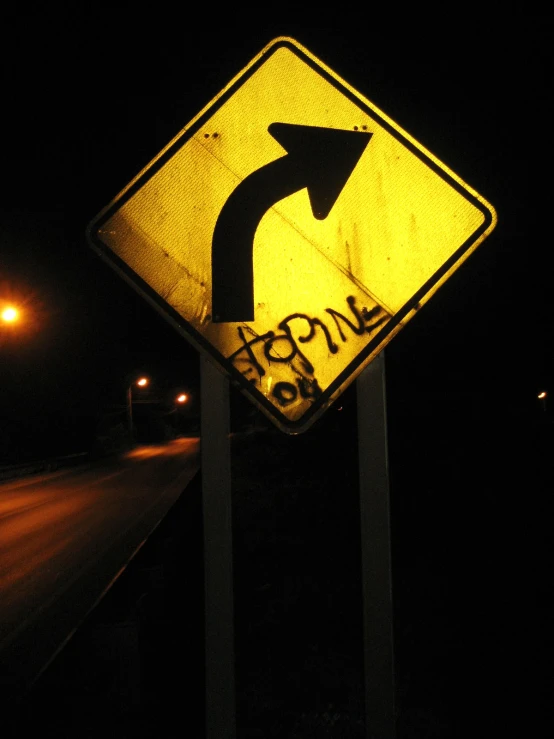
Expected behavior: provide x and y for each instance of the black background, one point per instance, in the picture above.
(90, 97)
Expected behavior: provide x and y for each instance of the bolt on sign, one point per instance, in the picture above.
(290, 230)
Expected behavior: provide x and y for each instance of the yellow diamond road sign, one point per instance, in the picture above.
(290, 230)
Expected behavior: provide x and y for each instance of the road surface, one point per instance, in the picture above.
(66, 536)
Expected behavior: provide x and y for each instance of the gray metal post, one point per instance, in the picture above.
(376, 558)
(218, 553)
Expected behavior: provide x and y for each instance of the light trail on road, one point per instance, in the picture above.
(65, 537)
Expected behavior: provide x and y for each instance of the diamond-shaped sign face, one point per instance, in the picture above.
(290, 230)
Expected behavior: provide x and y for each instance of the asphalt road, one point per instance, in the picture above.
(65, 537)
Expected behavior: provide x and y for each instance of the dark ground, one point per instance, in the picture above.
(471, 483)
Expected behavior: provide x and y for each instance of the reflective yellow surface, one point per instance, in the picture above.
(323, 289)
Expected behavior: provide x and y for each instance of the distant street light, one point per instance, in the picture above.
(542, 397)
(180, 401)
(141, 382)
(9, 314)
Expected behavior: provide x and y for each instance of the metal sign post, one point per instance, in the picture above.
(376, 557)
(218, 553)
(289, 231)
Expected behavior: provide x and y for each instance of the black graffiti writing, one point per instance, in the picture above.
(282, 348)
(286, 393)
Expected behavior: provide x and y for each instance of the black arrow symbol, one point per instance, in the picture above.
(319, 159)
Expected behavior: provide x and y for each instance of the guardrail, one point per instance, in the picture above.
(12, 471)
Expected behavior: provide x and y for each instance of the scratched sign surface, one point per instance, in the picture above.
(290, 230)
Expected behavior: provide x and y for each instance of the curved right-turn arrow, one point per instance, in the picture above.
(319, 159)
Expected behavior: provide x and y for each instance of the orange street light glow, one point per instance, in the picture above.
(541, 395)
(142, 382)
(9, 315)
(181, 398)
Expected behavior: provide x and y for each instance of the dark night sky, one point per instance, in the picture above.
(89, 99)
(89, 96)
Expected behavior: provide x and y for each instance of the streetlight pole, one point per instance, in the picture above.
(130, 411)
(142, 382)
(180, 400)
